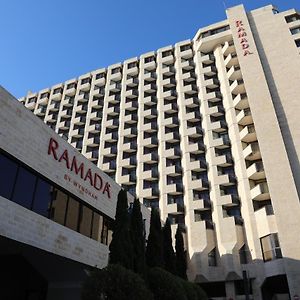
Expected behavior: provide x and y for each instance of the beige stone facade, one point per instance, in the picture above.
(207, 131)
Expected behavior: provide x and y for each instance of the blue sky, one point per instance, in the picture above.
(47, 42)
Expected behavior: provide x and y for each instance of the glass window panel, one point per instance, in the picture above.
(59, 205)
(97, 226)
(72, 214)
(8, 172)
(104, 233)
(42, 198)
(24, 188)
(85, 221)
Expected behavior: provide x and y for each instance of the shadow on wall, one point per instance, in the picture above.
(229, 279)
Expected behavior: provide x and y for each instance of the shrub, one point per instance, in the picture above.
(165, 286)
(115, 283)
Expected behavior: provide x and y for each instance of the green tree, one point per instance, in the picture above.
(169, 255)
(165, 286)
(114, 283)
(154, 250)
(121, 251)
(138, 238)
(180, 254)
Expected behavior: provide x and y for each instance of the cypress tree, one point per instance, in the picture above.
(121, 246)
(180, 254)
(154, 251)
(138, 238)
(169, 255)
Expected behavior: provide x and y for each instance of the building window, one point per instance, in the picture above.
(44, 95)
(100, 75)
(185, 47)
(31, 100)
(243, 255)
(85, 80)
(57, 91)
(166, 53)
(132, 65)
(212, 258)
(149, 59)
(8, 173)
(71, 85)
(270, 247)
(295, 30)
(292, 18)
(116, 70)
(297, 42)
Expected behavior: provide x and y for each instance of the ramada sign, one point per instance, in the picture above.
(242, 37)
(71, 163)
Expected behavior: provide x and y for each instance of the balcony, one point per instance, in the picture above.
(256, 171)
(175, 208)
(190, 89)
(117, 75)
(231, 60)
(172, 137)
(92, 155)
(201, 204)
(189, 76)
(197, 165)
(207, 59)
(110, 151)
(194, 131)
(230, 201)
(129, 162)
(114, 99)
(98, 92)
(130, 147)
(70, 91)
(150, 76)
(150, 175)
(222, 142)
(265, 221)
(43, 101)
(252, 152)
(248, 134)
(113, 110)
(150, 142)
(237, 87)
(174, 188)
(225, 180)
(100, 81)
(64, 125)
(234, 73)
(115, 87)
(228, 48)
(150, 88)
(131, 105)
(169, 82)
(170, 107)
(213, 96)
(95, 128)
(219, 126)
(172, 153)
(81, 108)
(78, 133)
(82, 98)
(150, 192)
(244, 117)
(111, 137)
(150, 157)
(260, 192)
(69, 102)
(109, 167)
(223, 160)
(209, 71)
(192, 102)
(188, 65)
(133, 93)
(199, 184)
(170, 95)
(193, 116)
(112, 123)
(150, 127)
(150, 100)
(128, 178)
(174, 170)
(41, 111)
(151, 65)
(96, 115)
(241, 101)
(85, 87)
(131, 118)
(168, 71)
(150, 113)
(216, 111)
(130, 132)
(93, 141)
(172, 121)
(196, 148)
(132, 82)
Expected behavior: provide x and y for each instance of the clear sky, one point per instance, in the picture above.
(44, 42)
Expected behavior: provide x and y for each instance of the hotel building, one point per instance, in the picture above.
(56, 210)
(206, 130)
